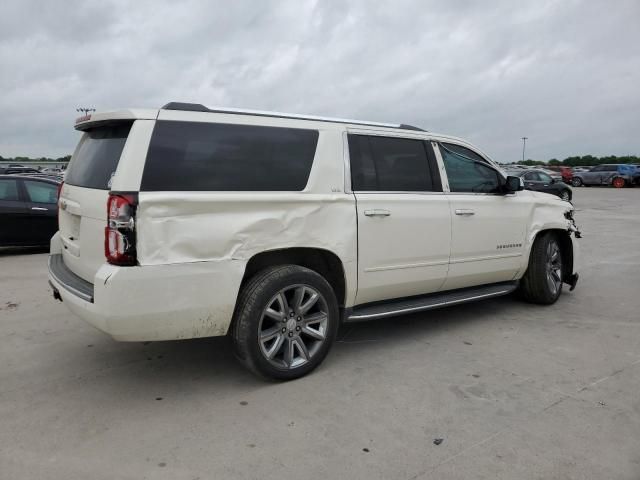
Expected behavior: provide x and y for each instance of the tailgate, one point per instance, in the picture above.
(83, 199)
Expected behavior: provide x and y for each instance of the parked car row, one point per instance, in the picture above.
(617, 175)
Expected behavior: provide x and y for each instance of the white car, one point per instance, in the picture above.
(190, 221)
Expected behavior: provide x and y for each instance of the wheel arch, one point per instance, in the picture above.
(324, 262)
(566, 248)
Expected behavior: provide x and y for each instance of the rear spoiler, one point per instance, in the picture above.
(93, 120)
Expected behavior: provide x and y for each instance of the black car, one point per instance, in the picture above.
(540, 181)
(28, 210)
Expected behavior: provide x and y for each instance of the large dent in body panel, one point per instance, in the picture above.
(199, 227)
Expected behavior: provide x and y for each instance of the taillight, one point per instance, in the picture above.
(58, 201)
(120, 232)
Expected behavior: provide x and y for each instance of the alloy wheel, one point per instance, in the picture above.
(554, 267)
(293, 326)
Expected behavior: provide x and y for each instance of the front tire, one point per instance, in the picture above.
(285, 322)
(542, 283)
(565, 195)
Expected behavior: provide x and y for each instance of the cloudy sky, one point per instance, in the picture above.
(565, 73)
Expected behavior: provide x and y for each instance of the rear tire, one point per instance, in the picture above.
(285, 322)
(576, 182)
(618, 182)
(565, 195)
(542, 283)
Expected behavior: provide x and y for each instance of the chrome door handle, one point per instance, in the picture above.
(377, 212)
(40, 209)
(464, 211)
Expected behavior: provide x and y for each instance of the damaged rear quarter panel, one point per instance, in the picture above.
(224, 227)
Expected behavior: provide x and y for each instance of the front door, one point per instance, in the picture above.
(488, 228)
(404, 220)
(539, 182)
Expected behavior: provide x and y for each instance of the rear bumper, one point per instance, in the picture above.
(69, 280)
(150, 303)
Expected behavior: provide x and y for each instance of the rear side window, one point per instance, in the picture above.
(8, 190)
(389, 164)
(97, 157)
(224, 157)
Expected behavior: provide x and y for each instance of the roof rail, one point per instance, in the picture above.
(196, 107)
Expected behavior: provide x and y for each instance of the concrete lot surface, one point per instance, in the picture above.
(514, 391)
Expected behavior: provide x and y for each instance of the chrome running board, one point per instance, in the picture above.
(403, 306)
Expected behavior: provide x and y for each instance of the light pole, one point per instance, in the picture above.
(524, 144)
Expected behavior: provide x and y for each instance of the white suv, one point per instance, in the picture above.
(189, 222)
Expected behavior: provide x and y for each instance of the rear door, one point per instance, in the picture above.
(13, 213)
(83, 198)
(42, 209)
(404, 221)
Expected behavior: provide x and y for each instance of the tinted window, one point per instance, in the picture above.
(363, 169)
(217, 157)
(97, 156)
(41, 192)
(468, 172)
(611, 168)
(532, 176)
(8, 189)
(389, 164)
(544, 177)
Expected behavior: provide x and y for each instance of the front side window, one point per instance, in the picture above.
(9, 190)
(467, 171)
(390, 164)
(41, 192)
(194, 156)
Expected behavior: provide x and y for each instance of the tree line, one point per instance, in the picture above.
(584, 161)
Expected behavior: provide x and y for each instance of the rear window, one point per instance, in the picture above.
(223, 157)
(97, 156)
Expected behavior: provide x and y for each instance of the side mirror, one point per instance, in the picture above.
(513, 184)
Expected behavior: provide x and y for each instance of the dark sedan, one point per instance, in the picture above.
(540, 181)
(28, 210)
